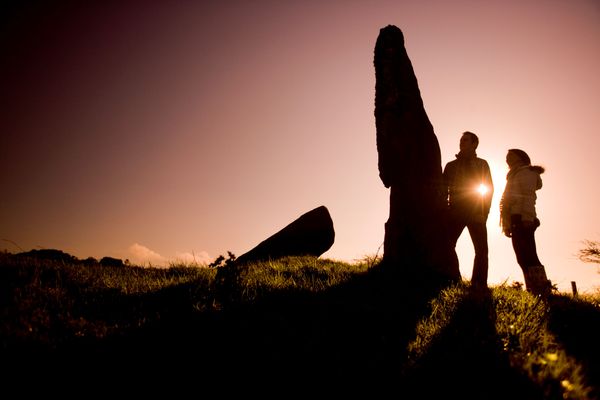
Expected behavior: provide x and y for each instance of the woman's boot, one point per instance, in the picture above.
(536, 280)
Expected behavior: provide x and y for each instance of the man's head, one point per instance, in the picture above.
(468, 141)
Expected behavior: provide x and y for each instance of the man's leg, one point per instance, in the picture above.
(478, 232)
(455, 229)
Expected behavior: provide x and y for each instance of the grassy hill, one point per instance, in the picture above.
(290, 326)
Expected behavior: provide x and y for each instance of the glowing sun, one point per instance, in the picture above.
(482, 189)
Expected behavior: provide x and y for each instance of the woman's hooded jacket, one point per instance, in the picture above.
(519, 194)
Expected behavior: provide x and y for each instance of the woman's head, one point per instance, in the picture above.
(517, 157)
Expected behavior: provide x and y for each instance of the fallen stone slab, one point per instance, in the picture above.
(311, 234)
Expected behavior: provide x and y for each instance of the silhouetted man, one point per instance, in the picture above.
(470, 189)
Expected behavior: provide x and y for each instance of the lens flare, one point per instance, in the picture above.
(482, 189)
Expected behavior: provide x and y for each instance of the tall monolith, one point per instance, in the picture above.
(409, 163)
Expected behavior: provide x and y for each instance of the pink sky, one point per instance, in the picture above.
(188, 129)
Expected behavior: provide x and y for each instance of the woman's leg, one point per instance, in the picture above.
(523, 241)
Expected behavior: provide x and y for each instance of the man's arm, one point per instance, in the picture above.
(487, 176)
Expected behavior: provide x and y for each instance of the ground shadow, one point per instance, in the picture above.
(576, 326)
(351, 336)
(466, 359)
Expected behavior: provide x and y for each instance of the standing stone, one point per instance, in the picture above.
(410, 165)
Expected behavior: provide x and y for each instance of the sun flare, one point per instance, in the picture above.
(482, 189)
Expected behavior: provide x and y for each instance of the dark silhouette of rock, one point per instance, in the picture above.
(409, 164)
(311, 234)
(111, 262)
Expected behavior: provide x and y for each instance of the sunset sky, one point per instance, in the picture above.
(166, 130)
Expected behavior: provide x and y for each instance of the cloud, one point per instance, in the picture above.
(193, 258)
(141, 255)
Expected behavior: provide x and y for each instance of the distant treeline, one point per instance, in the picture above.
(61, 256)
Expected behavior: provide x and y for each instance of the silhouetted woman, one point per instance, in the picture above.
(519, 219)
